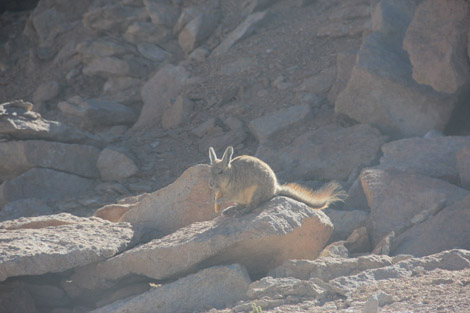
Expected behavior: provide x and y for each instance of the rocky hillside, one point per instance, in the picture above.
(107, 111)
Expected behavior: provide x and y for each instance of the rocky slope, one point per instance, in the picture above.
(108, 109)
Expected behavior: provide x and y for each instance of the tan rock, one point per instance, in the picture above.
(281, 229)
(157, 92)
(115, 165)
(435, 42)
(396, 197)
(215, 287)
(55, 243)
(179, 204)
(448, 229)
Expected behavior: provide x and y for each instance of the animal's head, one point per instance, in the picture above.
(220, 168)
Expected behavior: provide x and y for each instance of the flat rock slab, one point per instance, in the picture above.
(435, 156)
(448, 229)
(281, 229)
(19, 156)
(55, 243)
(43, 183)
(329, 268)
(330, 152)
(396, 198)
(453, 260)
(215, 287)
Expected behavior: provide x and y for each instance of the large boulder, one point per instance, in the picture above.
(215, 287)
(381, 90)
(435, 156)
(279, 230)
(43, 183)
(19, 156)
(330, 152)
(185, 201)
(398, 199)
(55, 243)
(447, 230)
(435, 41)
(158, 91)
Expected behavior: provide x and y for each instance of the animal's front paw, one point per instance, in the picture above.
(235, 210)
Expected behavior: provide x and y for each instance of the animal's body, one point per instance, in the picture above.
(248, 181)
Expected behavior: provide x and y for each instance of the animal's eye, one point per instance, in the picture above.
(218, 171)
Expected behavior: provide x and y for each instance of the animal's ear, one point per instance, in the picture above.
(227, 158)
(212, 156)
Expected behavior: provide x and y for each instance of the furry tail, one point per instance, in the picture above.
(316, 199)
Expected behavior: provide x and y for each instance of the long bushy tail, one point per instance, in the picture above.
(316, 199)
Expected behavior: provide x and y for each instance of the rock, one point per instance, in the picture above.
(268, 125)
(46, 91)
(371, 305)
(356, 198)
(112, 19)
(161, 13)
(43, 183)
(447, 230)
(269, 287)
(198, 30)
(19, 156)
(152, 52)
(435, 42)
(345, 222)
(157, 92)
(179, 204)
(335, 250)
(252, 6)
(122, 90)
(381, 90)
(384, 246)
(330, 152)
(114, 165)
(112, 66)
(113, 212)
(450, 260)
(435, 157)
(327, 269)
(216, 287)
(24, 208)
(177, 113)
(463, 166)
(245, 29)
(102, 47)
(281, 229)
(55, 243)
(358, 241)
(140, 32)
(16, 299)
(393, 17)
(49, 23)
(20, 123)
(319, 83)
(396, 197)
(97, 112)
(345, 61)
